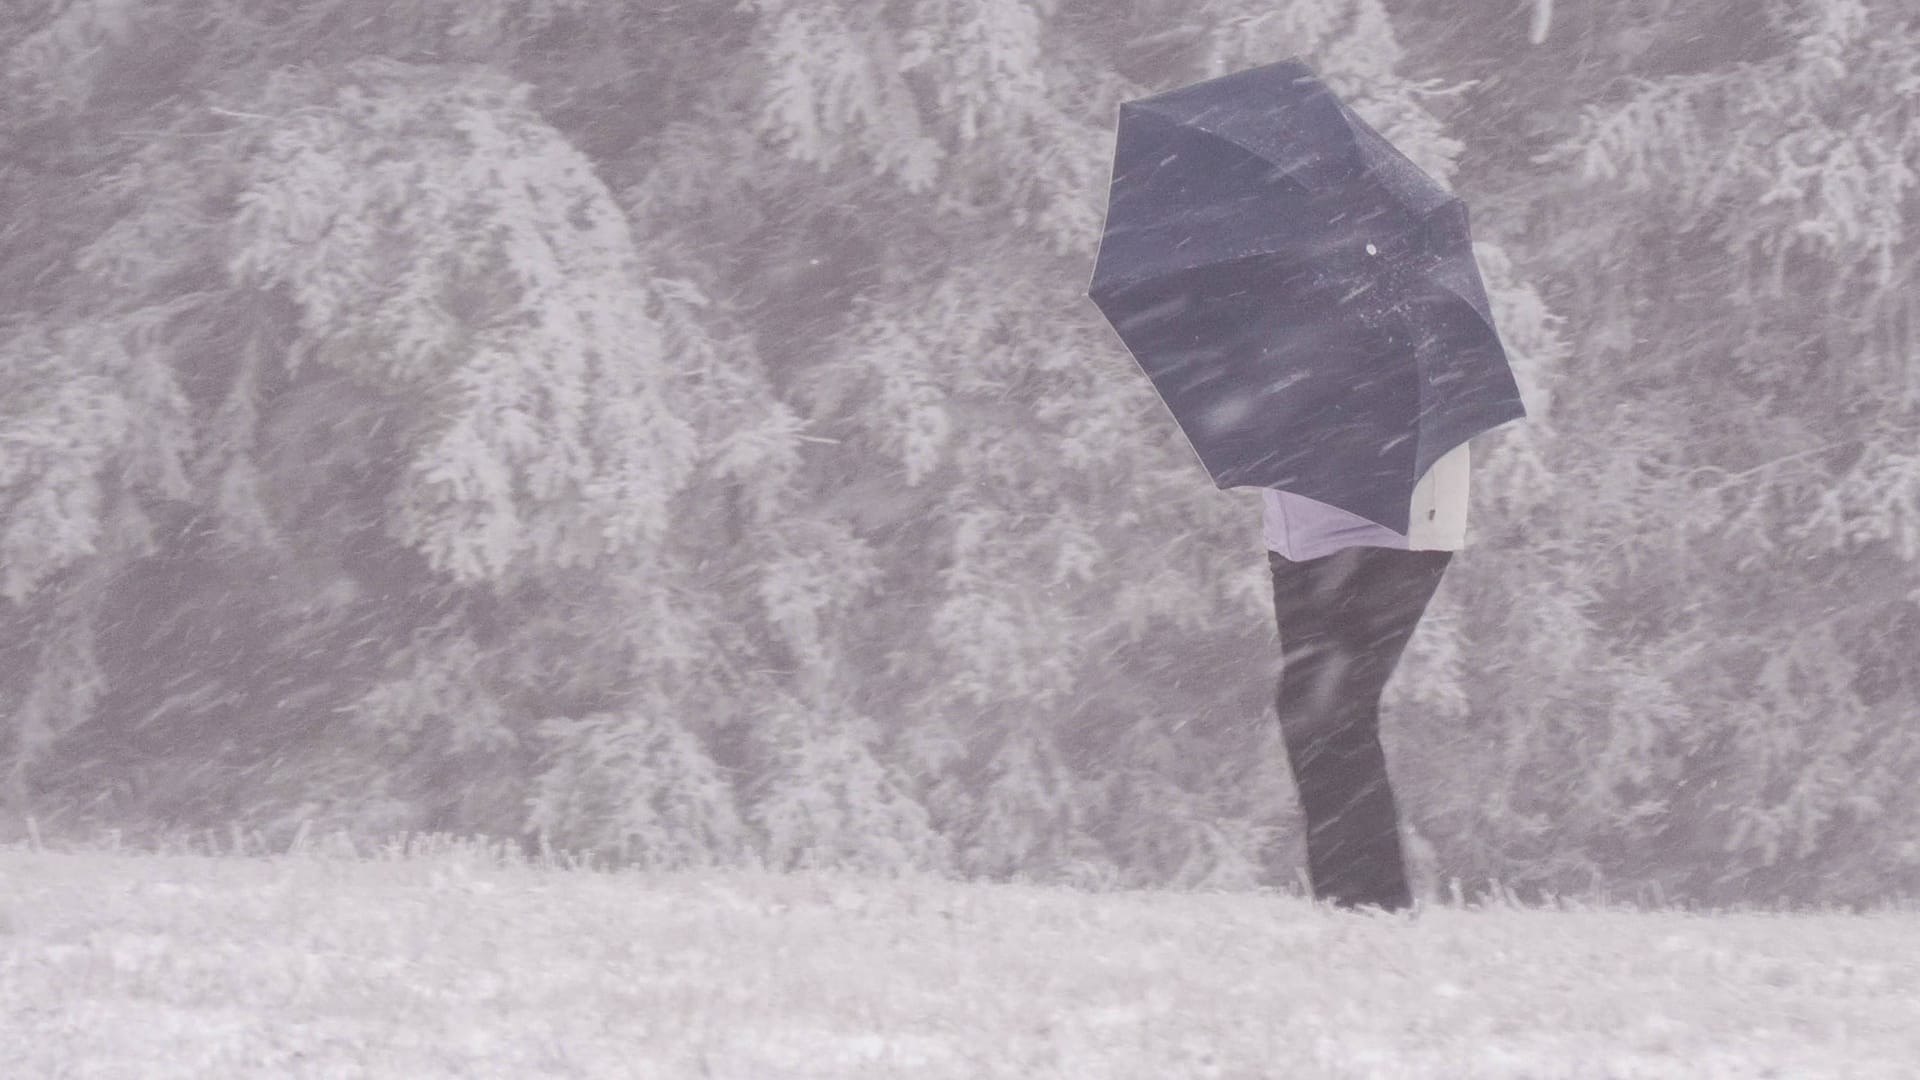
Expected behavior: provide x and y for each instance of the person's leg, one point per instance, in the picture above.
(1344, 621)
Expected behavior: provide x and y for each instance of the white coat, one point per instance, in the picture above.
(1299, 528)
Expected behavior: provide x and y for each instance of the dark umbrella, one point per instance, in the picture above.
(1303, 297)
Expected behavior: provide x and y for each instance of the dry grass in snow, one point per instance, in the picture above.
(461, 964)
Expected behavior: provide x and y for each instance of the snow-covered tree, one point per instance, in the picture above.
(1716, 198)
(681, 431)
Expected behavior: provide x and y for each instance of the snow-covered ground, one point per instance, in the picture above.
(459, 965)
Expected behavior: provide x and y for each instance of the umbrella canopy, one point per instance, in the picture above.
(1303, 297)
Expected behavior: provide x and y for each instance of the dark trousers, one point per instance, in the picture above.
(1344, 621)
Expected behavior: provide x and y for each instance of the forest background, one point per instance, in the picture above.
(678, 430)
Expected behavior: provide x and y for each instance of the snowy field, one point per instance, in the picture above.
(455, 964)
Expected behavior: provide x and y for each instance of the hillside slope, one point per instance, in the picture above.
(461, 965)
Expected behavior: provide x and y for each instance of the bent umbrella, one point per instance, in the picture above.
(1303, 297)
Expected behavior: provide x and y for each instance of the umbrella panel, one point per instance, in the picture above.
(1283, 376)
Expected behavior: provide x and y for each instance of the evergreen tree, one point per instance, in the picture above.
(682, 433)
(1715, 198)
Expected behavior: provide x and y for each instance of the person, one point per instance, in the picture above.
(1347, 595)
